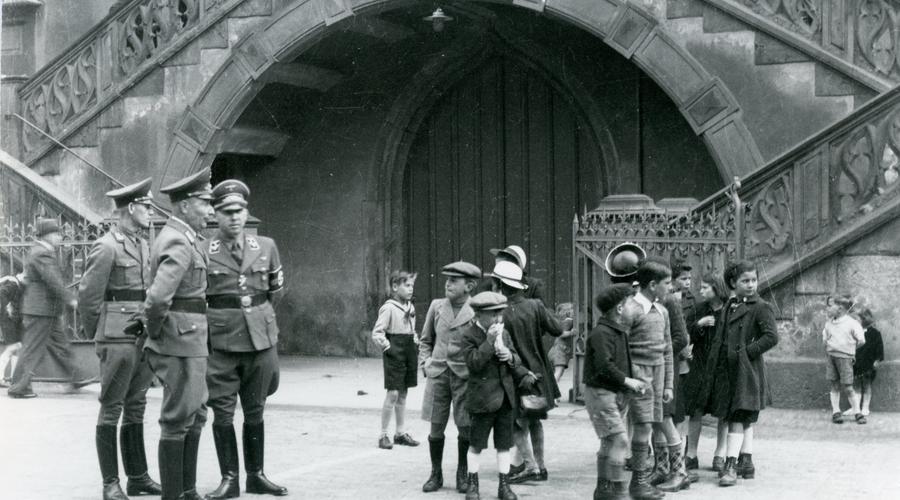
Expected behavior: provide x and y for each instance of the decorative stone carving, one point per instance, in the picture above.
(770, 225)
(61, 97)
(150, 27)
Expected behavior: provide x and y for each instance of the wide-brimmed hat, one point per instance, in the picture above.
(509, 273)
(624, 259)
(514, 252)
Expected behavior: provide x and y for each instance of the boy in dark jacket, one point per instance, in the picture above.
(491, 393)
(608, 380)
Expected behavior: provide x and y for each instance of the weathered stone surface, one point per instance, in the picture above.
(874, 281)
(771, 51)
(111, 117)
(85, 137)
(152, 85)
(716, 21)
(883, 241)
(801, 383)
(676, 9)
(187, 56)
(819, 279)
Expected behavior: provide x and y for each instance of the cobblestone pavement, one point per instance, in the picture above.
(322, 433)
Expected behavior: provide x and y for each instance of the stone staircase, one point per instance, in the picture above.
(780, 65)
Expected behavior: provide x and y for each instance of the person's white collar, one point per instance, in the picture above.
(645, 303)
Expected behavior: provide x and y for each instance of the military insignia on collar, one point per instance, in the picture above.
(118, 236)
(214, 246)
(189, 236)
(253, 243)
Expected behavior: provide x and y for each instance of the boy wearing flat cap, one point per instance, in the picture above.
(174, 316)
(245, 281)
(110, 294)
(440, 354)
(494, 367)
(609, 383)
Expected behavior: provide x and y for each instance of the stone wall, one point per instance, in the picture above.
(869, 269)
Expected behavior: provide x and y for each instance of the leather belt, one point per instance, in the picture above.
(236, 301)
(125, 295)
(189, 305)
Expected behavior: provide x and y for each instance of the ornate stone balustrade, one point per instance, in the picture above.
(824, 194)
(108, 60)
(860, 38)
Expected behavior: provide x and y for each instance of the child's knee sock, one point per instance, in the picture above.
(735, 440)
(473, 458)
(400, 412)
(503, 461)
(835, 401)
(387, 410)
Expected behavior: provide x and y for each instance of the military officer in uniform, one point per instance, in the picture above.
(112, 290)
(174, 317)
(245, 279)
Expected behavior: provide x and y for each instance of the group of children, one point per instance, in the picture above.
(656, 362)
(483, 359)
(632, 371)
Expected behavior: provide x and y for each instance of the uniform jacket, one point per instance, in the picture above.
(260, 273)
(748, 331)
(46, 293)
(442, 339)
(178, 271)
(489, 378)
(116, 263)
(527, 320)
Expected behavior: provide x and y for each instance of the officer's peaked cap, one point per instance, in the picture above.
(230, 194)
(194, 186)
(138, 192)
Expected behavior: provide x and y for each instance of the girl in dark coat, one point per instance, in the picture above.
(702, 328)
(745, 330)
(527, 320)
(867, 358)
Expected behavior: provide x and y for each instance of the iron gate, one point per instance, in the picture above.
(705, 241)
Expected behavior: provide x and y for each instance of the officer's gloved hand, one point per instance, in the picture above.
(135, 328)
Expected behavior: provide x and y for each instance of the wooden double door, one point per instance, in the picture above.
(503, 158)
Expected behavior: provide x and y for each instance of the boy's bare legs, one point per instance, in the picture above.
(721, 437)
(853, 397)
(524, 451)
(558, 372)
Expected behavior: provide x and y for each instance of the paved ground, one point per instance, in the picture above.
(321, 444)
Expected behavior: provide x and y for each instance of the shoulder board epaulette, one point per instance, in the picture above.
(190, 236)
(118, 236)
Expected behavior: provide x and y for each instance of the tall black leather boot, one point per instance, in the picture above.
(436, 479)
(226, 450)
(189, 466)
(462, 465)
(105, 439)
(254, 447)
(171, 469)
(134, 458)
(504, 492)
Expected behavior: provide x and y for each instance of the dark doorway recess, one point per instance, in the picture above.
(503, 158)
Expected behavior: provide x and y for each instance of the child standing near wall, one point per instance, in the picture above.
(867, 358)
(738, 390)
(395, 333)
(842, 335)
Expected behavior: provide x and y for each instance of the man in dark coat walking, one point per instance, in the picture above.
(43, 305)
